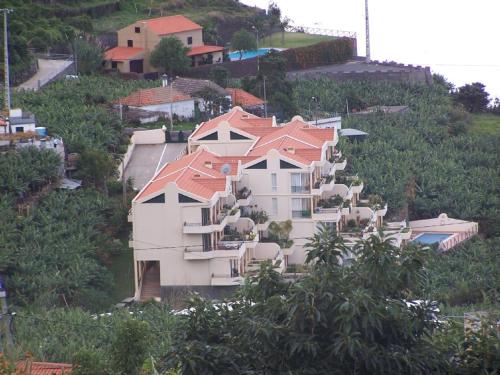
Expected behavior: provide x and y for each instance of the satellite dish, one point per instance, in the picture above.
(225, 169)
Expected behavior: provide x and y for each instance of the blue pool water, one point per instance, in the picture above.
(430, 238)
(233, 56)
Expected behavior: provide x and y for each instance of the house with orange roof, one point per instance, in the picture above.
(138, 40)
(245, 100)
(180, 97)
(203, 222)
(28, 367)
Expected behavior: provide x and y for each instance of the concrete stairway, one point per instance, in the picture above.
(151, 284)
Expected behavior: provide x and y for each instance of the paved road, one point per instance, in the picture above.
(147, 159)
(47, 70)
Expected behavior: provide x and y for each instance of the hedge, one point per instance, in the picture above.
(324, 53)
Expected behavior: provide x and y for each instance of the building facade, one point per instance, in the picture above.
(249, 190)
(138, 40)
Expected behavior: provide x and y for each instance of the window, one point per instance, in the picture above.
(158, 199)
(185, 199)
(274, 202)
(301, 208)
(274, 182)
(300, 183)
(19, 129)
(130, 43)
(210, 137)
(233, 135)
(114, 65)
(287, 165)
(137, 30)
(260, 165)
(190, 40)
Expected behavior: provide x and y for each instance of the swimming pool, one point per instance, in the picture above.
(234, 56)
(430, 238)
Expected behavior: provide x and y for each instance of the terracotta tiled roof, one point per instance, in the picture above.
(238, 119)
(190, 86)
(198, 174)
(156, 95)
(245, 99)
(46, 368)
(201, 50)
(123, 53)
(170, 24)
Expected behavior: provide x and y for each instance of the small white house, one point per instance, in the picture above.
(20, 122)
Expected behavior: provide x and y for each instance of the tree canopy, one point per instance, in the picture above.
(243, 40)
(170, 55)
(473, 97)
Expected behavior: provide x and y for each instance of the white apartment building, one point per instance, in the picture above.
(249, 190)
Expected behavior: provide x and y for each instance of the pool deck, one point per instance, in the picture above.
(457, 230)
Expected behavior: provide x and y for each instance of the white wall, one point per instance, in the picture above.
(182, 109)
(148, 137)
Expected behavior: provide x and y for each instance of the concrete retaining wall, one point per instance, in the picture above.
(149, 137)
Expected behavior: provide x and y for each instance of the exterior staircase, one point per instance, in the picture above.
(151, 284)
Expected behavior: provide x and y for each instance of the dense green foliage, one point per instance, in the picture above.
(467, 275)
(89, 56)
(27, 170)
(51, 256)
(415, 160)
(77, 110)
(170, 56)
(337, 320)
(62, 333)
(472, 96)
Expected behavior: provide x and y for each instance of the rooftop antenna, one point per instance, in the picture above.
(6, 103)
(225, 169)
(367, 59)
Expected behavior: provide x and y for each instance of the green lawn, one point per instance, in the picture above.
(128, 13)
(486, 124)
(292, 40)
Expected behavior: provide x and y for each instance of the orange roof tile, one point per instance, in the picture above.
(46, 368)
(156, 95)
(243, 98)
(198, 174)
(123, 53)
(170, 24)
(237, 118)
(200, 50)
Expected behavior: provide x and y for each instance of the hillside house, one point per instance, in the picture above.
(203, 222)
(18, 122)
(138, 40)
(246, 101)
(180, 97)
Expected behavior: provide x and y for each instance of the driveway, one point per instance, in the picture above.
(146, 160)
(47, 70)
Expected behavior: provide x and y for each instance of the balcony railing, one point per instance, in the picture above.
(229, 245)
(301, 189)
(302, 214)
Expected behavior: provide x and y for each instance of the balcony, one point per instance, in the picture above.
(270, 252)
(224, 249)
(244, 197)
(260, 218)
(301, 214)
(340, 165)
(327, 214)
(233, 215)
(209, 227)
(323, 184)
(357, 186)
(243, 230)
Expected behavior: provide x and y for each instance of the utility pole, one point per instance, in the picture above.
(367, 59)
(265, 97)
(6, 60)
(258, 57)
